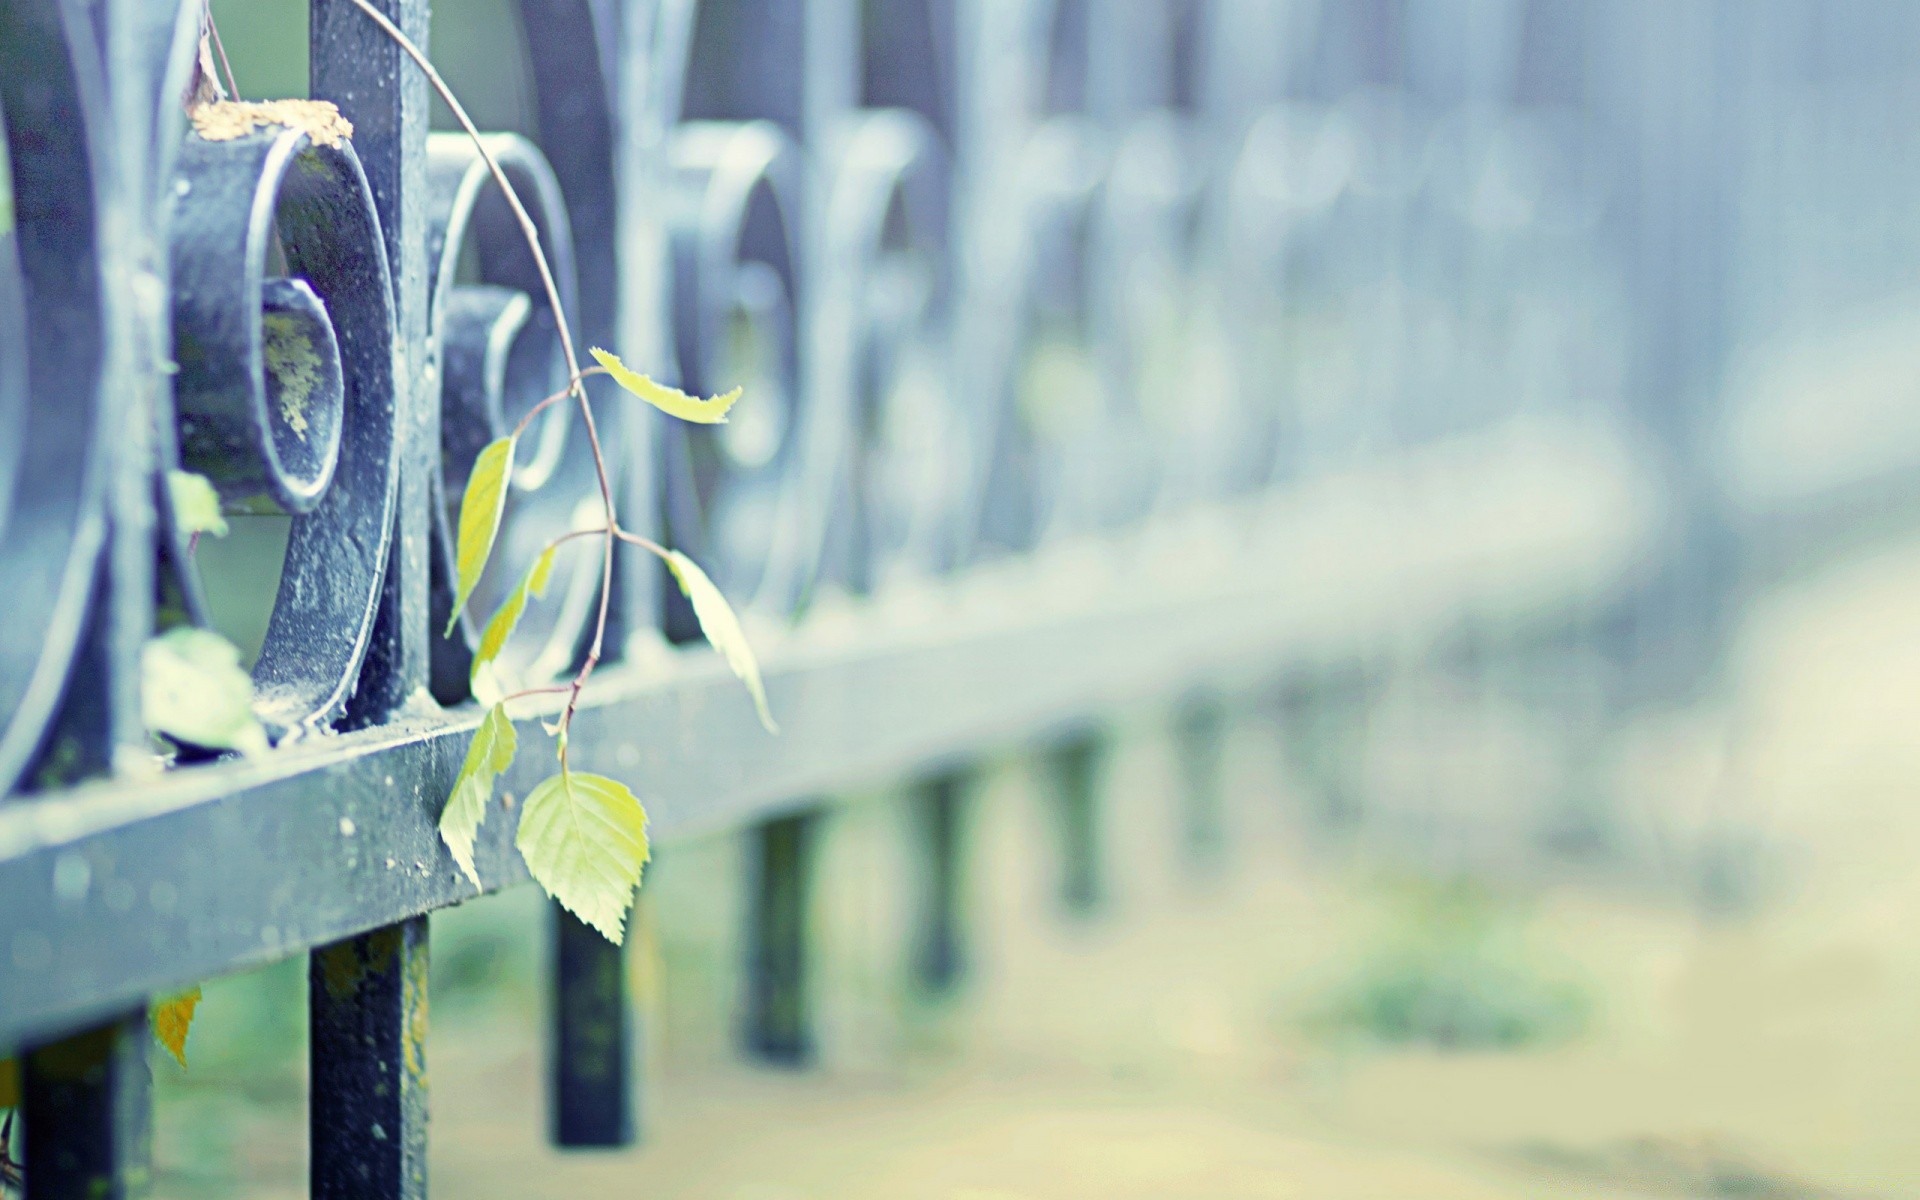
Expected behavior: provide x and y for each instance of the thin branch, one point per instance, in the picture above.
(645, 543)
(575, 385)
(527, 227)
(564, 538)
(558, 396)
(550, 690)
(219, 47)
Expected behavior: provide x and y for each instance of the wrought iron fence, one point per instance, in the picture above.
(1069, 329)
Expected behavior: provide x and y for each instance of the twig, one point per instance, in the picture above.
(644, 543)
(558, 396)
(219, 47)
(574, 375)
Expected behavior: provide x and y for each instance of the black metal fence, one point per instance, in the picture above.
(1053, 316)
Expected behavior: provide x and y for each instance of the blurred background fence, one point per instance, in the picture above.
(1476, 436)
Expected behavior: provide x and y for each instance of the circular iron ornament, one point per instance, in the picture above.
(1268, 239)
(1169, 401)
(1045, 471)
(52, 340)
(735, 250)
(882, 334)
(286, 392)
(496, 342)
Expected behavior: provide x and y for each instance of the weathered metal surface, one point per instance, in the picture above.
(367, 1073)
(198, 872)
(88, 1113)
(1073, 774)
(593, 1075)
(1001, 276)
(777, 1023)
(940, 812)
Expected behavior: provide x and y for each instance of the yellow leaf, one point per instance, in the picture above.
(492, 752)
(493, 639)
(196, 505)
(9, 1084)
(722, 629)
(584, 838)
(669, 400)
(480, 511)
(172, 1018)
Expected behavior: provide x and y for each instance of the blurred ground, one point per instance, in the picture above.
(1426, 995)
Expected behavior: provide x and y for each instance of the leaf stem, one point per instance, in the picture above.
(552, 689)
(219, 47)
(645, 543)
(558, 396)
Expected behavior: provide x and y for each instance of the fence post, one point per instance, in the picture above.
(940, 956)
(779, 1017)
(367, 1004)
(593, 1075)
(1199, 745)
(1072, 770)
(367, 996)
(88, 1113)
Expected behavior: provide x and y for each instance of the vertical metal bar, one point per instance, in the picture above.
(367, 1003)
(593, 1044)
(779, 1016)
(1199, 742)
(940, 958)
(385, 96)
(367, 996)
(591, 127)
(1072, 769)
(87, 1112)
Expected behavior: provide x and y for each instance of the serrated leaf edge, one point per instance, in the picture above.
(494, 744)
(669, 400)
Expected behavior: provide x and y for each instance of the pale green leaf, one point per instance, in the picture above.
(669, 400)
(722, 629)
(500, 627)
(172, 1018)
(542, 570)
(480, 512)
(196, 506)
(585, 840)
(193, 690)
(492, 752)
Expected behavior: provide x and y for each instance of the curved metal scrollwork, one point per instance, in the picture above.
(1162, 413)
(1277, 197)
(286, 392)
(498, 348)
(736, 262)
(883, 324)
(53, 327)
(1058, 394)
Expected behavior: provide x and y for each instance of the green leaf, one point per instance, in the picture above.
(9, 1084)
(585, 840)
(196, 506)
(193, 690)
(492, 752)
(722, 629)
(172, 1018)
(480, 511)
(669, 400)
(500, 627)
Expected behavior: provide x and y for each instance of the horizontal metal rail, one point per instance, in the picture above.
(122, 889)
